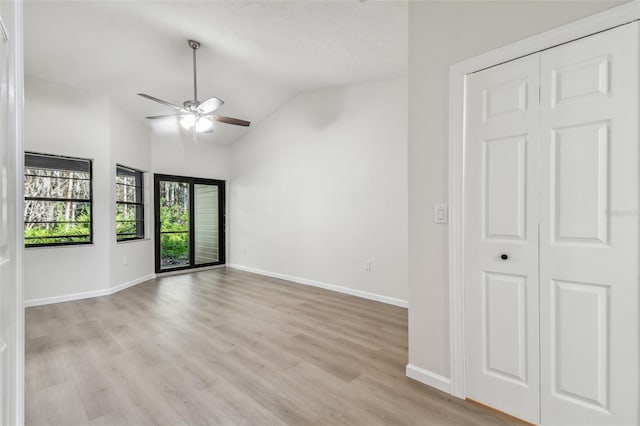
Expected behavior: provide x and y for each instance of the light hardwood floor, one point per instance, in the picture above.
(230, 348)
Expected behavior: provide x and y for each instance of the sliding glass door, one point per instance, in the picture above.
(173, 220)
(189, 225)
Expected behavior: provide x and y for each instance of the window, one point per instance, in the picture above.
(57, 200)
(129, 204)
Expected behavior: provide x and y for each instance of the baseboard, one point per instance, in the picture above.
(131, 283)
(429, 378)
(86, 294)
(66, 297)
(332, 287)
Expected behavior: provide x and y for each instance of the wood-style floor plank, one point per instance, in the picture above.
(224, 347)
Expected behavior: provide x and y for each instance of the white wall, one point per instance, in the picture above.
(441, 34)
(68, 121)
(320, 186)
(130, 146)
(175, 153)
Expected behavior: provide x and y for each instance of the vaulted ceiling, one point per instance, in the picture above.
(255, 55)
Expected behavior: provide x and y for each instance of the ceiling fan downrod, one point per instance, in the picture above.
(195, 45)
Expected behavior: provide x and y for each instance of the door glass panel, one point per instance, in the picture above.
(174, 224)
(206, 224)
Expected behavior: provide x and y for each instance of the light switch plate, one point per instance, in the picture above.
(441, 213)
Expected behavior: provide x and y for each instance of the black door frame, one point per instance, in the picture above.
(221, 184)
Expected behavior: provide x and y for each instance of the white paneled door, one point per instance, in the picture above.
(589, 237)
(501, 238)
(552, 233)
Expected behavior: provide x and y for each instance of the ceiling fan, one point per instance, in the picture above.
(194, 114)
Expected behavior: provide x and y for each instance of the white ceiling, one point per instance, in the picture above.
(255, 55)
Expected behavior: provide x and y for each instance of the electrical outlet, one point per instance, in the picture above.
(367, 265)
(125, 261)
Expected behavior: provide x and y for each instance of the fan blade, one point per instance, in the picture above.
(210, 105)
(163, 102)
(229, 120)
(155, 117)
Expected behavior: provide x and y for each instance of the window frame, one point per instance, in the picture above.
(26, 198)
(139, 174)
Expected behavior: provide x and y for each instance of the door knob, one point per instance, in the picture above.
(504, 256)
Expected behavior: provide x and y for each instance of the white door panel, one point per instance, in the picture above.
(589, 231)
(579, 163)
(505, 187)
(501, 295)
(504, 297)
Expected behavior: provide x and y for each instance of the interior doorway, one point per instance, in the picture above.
(189, 222)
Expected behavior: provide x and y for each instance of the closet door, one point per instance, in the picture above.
(501, 237)
(589, 230)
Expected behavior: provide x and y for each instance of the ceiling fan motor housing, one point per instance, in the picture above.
(191, 105)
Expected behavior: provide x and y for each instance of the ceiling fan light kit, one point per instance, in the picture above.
(195, 115)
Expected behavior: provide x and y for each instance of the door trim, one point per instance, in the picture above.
(603, 21)
(16, 354)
